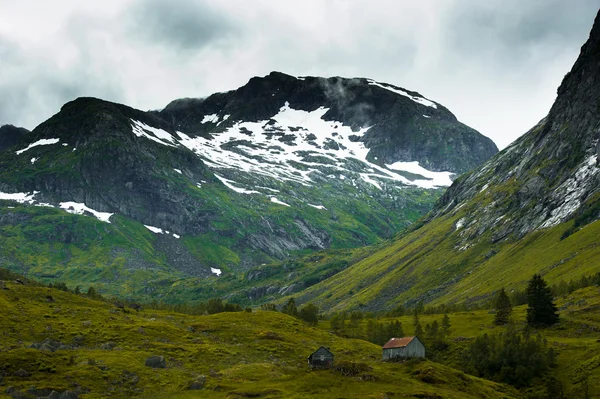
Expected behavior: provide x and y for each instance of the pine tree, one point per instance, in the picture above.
(446, 325)
(541, 309)
(290, 308)
(417, 323)
(338, 321)
(91, 292)
(310, 314)
(503, 308)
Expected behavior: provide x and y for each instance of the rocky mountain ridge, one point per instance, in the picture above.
(279, 166)
(549, 175)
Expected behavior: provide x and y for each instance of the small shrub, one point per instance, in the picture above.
(351, 369)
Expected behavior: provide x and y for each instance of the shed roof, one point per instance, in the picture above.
(398, 342)
(322, 347)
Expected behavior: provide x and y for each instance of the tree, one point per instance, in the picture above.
(541, 309)
(503, 308)
(513, 357)
(92, 293)
(338, 322)
(446, 325)
(417, 323)
(290, 308)
(214, 306)
(310, 314)
(269, 306)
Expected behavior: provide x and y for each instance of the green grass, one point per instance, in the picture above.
(260, 354)
(428, 265)
(576, 339)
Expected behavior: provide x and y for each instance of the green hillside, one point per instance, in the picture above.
(259, 354)
(429, 266)
(575, 339)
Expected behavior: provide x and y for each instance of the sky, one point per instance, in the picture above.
(495, 64)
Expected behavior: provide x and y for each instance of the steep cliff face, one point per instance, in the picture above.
(549, 175)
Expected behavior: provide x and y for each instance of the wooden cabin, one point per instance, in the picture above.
(322, 358)
(403, 348)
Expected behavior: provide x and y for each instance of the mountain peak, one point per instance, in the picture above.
(10, 135)
(550, 174)
(402, 124)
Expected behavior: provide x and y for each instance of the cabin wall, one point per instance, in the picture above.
(414, 349)
(321, 359)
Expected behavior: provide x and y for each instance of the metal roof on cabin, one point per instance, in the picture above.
(398, 342)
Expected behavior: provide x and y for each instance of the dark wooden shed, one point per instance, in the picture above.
(322, 358)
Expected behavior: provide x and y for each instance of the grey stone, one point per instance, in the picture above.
(198, 383)
(108, 345)
(68, 395)
(22, 373)
(156, 362)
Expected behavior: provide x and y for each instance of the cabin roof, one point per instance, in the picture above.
(322, 347)
(398, 342)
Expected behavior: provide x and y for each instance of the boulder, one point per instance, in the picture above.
(68, 395)
(156, 362)
(108, 345)
(22, 373)
(198, 383)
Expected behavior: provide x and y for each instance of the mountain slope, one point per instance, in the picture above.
(281, 166)
(533, 208)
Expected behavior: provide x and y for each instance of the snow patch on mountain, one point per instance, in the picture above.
(38, 143)
(229, 184)
(157, 135)
(275, 200)
(213, 118)
(21, 198)
(420, 100)
(294, 145)
(155, 230)
(80, 209)
(439, 179)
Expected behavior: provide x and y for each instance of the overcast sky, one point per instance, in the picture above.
(496, 64)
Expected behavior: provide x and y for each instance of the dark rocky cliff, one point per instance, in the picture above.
(549, 175)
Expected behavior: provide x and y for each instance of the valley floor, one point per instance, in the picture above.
(101, 352)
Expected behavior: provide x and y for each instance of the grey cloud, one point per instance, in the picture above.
(495, 64)
(511, 31)
(32, 87)
(183, 25)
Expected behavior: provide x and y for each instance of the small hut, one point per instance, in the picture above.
(322, 358)
(403, 348)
